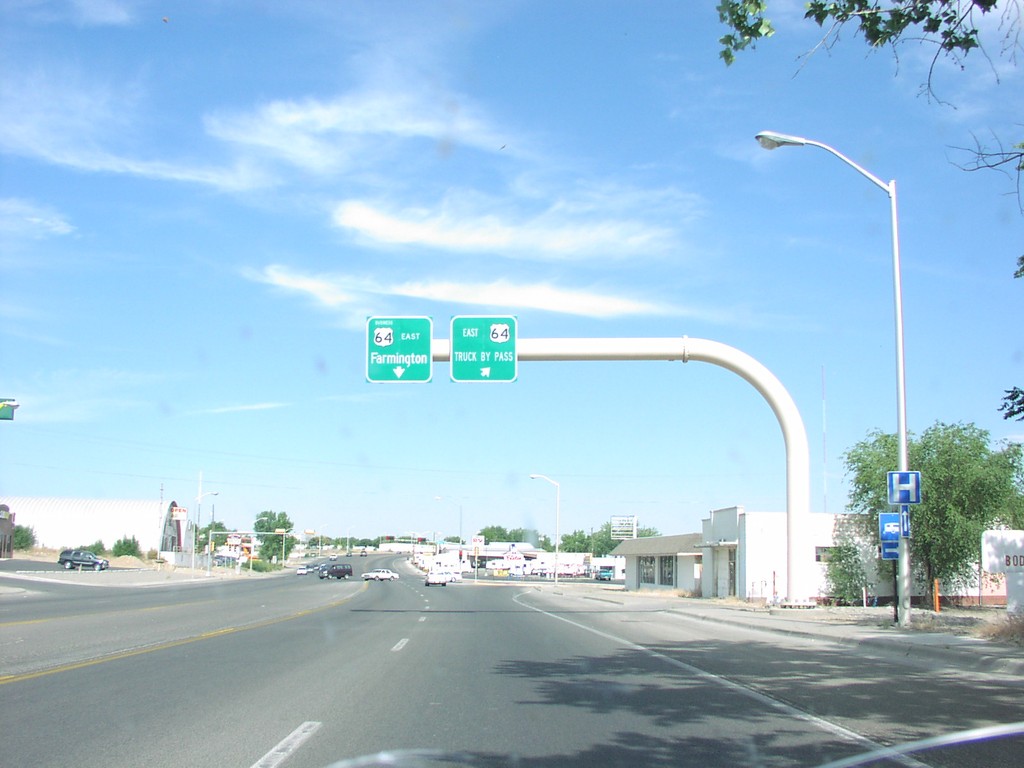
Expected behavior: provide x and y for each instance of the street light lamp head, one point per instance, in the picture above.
(772, 140)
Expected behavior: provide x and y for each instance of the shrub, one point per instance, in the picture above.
(845, 574)
(96, 547)
(1011, 630)
(262, 566)
(127, 547)
(24, 537)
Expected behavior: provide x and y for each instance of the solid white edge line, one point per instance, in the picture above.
(288, 745)
(758, 696)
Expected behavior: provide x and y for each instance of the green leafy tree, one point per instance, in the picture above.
(967, 487)
(846, 571)
(266, 524)
(24, 537)
(127, 546)
(950, 25)
(528, 536)
(1013, 403)
(577, 541)
(845, 574)
(203, 535)
(599, 542)
(494, 533)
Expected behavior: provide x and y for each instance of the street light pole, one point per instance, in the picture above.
(558, 504)
(209, 541)
(442, 498)
(771, 140)
(199, 507)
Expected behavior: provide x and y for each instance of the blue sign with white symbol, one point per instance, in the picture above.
(889, 534)
(905, 521)
(904, 488)
(889, 526)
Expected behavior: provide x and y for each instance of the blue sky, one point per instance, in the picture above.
(201, 203)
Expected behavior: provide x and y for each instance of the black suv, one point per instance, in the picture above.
(81, 558)
(336, 571)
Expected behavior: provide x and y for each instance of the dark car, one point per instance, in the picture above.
(81, 558)
(336, 571)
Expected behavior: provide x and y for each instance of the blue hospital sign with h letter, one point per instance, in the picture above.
(904, 488)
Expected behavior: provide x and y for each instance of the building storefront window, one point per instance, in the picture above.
(646, 565)
(667, 569)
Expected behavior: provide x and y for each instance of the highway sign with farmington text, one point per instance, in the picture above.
(399, 349)
(483, 348)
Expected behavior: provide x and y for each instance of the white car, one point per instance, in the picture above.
(380, 574)
(302, 570)
(438, 577)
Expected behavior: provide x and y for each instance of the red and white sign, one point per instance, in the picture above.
(1003, 551)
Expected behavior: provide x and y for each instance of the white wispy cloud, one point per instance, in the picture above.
(329, 136)
(64, 118)
(544, 296)
(556, 232)
(25, 218)
(242, 408)
(353, 294)
(82, 395)
(102, 12)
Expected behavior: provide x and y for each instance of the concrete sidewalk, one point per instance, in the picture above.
(873, 628)
(933, 637)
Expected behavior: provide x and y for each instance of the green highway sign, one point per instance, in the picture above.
(483, 348)
(7, 408)
(398, 349)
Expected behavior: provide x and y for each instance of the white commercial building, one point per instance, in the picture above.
(737, 554)
(663, 562)
(744, 553)
(60, 523)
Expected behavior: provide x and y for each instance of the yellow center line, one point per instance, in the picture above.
(100, 614)
(6, 679)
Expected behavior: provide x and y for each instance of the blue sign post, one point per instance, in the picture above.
(904, 490)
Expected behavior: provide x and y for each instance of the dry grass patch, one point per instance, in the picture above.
(1009, 630)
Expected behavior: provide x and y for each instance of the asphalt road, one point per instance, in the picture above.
(296, 672)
